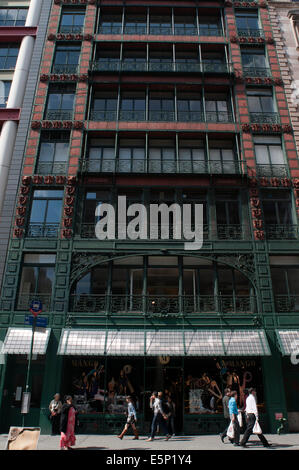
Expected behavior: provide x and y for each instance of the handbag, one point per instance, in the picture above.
(240, 419)
(256, 428)
(230, 431)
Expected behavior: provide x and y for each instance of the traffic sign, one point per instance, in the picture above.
(36, 307)
(40, 322)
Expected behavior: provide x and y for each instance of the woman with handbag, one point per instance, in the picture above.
(131, 419)
(252, 420)
(55, 410)
(67, 424)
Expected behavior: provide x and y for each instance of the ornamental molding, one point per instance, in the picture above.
(57, 125)
(65, 77)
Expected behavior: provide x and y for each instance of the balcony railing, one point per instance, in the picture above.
(287, 303)
(162, 116)
(157, 304)
(251, 32)
(281, 232)
(256, 72)
(24, 301)
(42, 230)
(51, 168)
(265, 118)
(65, 68)
(58, 115)
(272, 170)
(222, 232)
(115, 65)
(234, 167)
(141, 29)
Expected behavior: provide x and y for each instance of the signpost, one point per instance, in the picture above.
(35, 308)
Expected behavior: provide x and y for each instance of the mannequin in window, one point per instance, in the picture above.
(211, 386)
(233, 382)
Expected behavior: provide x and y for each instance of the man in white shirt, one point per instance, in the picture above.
(159, 416)
(251, 417)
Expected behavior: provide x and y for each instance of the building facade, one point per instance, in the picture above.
(162, 102)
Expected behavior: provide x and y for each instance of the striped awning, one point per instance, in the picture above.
(138, 342)
(18, 341)
(288, 341)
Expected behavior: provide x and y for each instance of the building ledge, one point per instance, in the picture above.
(9, 114)
(16, 33)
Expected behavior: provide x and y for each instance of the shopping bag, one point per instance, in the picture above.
(230, 431)
(240, 419)
(256, 428)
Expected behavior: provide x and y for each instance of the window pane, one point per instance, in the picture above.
(53, 211)
(45, 280)
(38, 211)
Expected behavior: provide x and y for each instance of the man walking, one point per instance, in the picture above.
(225, 401)
(233, 413)
(251, 417)
(160, 417)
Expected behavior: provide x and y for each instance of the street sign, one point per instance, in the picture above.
(36, 307)
(40, 322)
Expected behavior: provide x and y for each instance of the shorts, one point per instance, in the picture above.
(131, 420)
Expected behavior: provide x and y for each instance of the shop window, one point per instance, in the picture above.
(53, 153)
(72, 21)
(66, 58)
(4, 92)
(60, 102)
(8, 56)
(13, 16)
(37, 280)
(269, 156)
(45, 214)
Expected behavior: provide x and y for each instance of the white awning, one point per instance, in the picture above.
(18, 341)
(139, 342)
(288, 341)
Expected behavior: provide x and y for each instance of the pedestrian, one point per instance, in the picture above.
(131, 419)
(55, 411)
(225, 401)
(159, 416)
(233, 413)
(170, 415)
(67, 424)
(251, 417)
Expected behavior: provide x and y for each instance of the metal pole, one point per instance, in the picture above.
(29, 363)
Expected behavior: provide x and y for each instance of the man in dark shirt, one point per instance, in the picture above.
(225, 401)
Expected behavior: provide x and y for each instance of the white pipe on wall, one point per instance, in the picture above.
(16, 97)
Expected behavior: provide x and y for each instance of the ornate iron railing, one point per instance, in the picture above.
(256, 71)
(160, 30)
(51, 168)
(59, 114)
(251, 32)
(210, 31)
(65, 68)
(135, 29)
(265, 118)
(42, 230)
(281, 232)
(163, 116)
(234, 167)
(72, 29)
(272, 170)
(24, 301)
(229, 232)
(287, 303)
(114, 65)
(110, 29)
(162, 304)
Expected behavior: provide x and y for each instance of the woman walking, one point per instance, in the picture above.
(67, 424)
(131, 420)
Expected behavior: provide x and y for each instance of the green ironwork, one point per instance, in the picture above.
(253, 33)
(265, 118)
(272, 170)
(58, 115)
(287, 303)
(42, 230)
(161, 116)
(281, 232)
(256, 72)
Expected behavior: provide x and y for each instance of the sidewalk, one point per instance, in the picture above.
(176, 443)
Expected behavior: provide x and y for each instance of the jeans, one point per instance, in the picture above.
(170, 424)
(237, 431)
(158, 420)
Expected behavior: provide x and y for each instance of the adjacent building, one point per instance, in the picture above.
(162, 102)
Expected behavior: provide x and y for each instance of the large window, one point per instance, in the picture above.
(161, 106)
(72, 21)
(223, 157)
(8, 56)
(37, 280)
(4, 92)
(277, 207)
(285, 275)
(104, 107)
(217, 108)
(269, 156)
(161, 156)
(66, 58)
(101, 155)
(53, 153)
(132, 106)
(135, 23)
(13, 16)
(262, 106)
(228, 216)
(189, 107)
(248, 23)
(60, 102)
(45, 213)
(254, 62)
